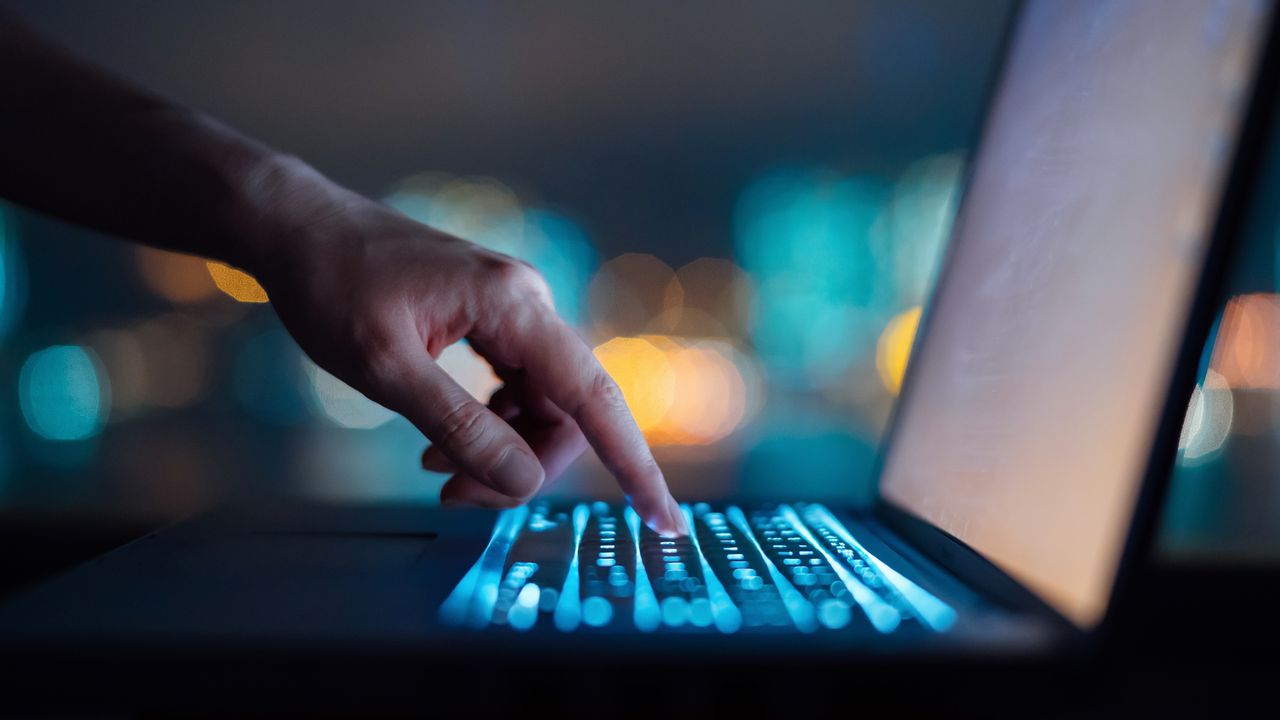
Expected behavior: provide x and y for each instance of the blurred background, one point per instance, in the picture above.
(740, 205)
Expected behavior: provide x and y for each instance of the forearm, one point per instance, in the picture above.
(85, 146)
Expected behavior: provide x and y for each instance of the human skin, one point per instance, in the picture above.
(370, 295)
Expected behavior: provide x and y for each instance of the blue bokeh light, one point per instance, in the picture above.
(62, 393)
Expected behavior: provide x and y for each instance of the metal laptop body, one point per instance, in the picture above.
(369, 580)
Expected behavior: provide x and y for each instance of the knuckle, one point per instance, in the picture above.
(376, 347)
(605, 392)
(516, 279)
(462, 426)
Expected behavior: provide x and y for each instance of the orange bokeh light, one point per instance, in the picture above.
(681, 391)
(238, 284)
(1247, 350)
(176, 277)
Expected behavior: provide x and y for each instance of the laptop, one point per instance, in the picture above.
(1018, 486)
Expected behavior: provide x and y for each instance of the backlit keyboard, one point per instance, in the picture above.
(593, 566)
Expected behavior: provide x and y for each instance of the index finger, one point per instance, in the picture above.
(562, 366)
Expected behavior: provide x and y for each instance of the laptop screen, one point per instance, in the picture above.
(1052, 336)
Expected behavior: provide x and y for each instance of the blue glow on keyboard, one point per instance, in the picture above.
(647, 613)
(883, 616)
(596, 611)
(569, 609)
(724, 613)
(933, 612)
(471, 602)
(772, 569)
(800, 609)
(524, 614)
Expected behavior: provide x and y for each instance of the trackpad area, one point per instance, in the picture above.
(323, 573)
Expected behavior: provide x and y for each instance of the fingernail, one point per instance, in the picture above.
(677, 516)
(517, 473)
(674, 524)
(435, 461)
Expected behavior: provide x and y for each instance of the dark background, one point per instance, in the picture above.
(644, 126)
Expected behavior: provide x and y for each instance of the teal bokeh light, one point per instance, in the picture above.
(267, 381)
(558, 247)
(13, 287)
(62, 393)
(822, 297)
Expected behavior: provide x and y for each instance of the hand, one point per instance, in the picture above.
(374, 297)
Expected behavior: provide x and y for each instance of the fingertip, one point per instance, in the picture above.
(673, 523)
(517, 473)
(667, 519)
(464, 490)
(434, 460)
(681, 518)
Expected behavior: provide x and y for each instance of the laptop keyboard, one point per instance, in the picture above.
(596, 567)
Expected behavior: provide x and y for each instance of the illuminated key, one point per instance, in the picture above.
(473, 599)
(568, 613)
(883, 616)
(724, 613)
(647, 614)
(798, 608)
(932, 612)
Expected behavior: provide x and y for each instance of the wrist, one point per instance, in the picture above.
(280, 197)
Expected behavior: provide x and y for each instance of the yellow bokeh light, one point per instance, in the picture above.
(238, 284)
(894, 348)
(644, 375)
(176, 277)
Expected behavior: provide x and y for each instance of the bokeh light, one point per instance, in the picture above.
(683, 391)
(644, 374)
(821, 294)
(634, 294)
(469, 370)
(175, 277)
(911, 232)
(13, 276)
(175, 355)
(479, 209)
(488, 213)
(63, 394)
(267, 379)
(1208, 421)
(834, 259)
(237, 284)
(561, 251)
(709, 399)
(340, 403)
(715, 299)
(893, 350)
(1247, 350)
(122, 357)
